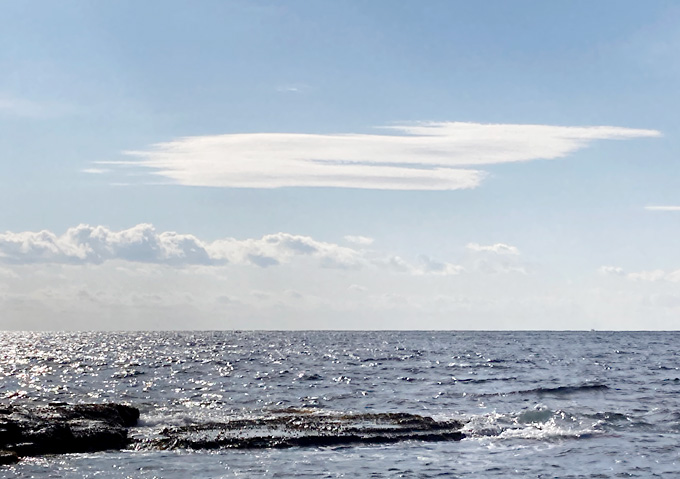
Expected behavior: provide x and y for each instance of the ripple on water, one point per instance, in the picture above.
(563, 404)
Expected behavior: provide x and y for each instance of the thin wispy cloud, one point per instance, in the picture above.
(421, 156)
(662, 208)
(20, 107)
(24, 108)
(292, 88)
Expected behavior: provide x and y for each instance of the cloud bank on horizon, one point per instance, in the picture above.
(421, 156)
(140, 277)
(85, 244)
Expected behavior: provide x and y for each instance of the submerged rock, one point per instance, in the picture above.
(62, 428)
(306, 429)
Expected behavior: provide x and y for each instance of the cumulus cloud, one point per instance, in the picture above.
(95, 244)
(274, 249)
(655, 275)
(430, 266)
(394, 263)
(498, 248)
(424, 266)
(142, 243)
(611, 270)
(85, 244)
(421, 156)
(498, 258)
(297, 293)
(359, 240)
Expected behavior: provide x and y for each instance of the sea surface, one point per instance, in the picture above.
(534, 404)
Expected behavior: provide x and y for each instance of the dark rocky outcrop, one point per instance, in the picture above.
(310, 429)
(8, 457)
(62, 428)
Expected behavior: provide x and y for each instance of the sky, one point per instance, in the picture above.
(309, 164)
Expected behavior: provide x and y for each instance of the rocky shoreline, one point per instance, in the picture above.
(59, 428)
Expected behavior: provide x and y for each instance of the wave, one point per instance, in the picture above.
(543, 423)
(568, 389)
(557, 390)
(312, 426)
(483, 380)
(539, 423)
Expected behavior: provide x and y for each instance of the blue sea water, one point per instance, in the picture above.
(534, 404)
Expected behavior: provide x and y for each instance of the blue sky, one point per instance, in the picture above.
(339, 165)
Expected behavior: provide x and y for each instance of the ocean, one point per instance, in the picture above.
(534, 404)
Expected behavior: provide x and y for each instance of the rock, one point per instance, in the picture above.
(8, 457)
(307, 429)
(62, 428)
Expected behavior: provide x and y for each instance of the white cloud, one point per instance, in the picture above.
(95, 244)
(86, 244)
(422, 156)
(498, 248)
(292, 88)
(655, 275)
(498, 258)
(611, 270)
(123, 294)
(430, 266)
(394, 263)
(274, 249)
(662, 208)
(651, 276)
(95, 171)
(357, 288)
(359, 240)
(130, 279)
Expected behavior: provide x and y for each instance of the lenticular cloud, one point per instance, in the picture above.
(422, 156)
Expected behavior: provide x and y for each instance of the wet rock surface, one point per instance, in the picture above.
(62, 428)
(306, 429)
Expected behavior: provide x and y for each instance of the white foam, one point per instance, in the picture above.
(538, 423)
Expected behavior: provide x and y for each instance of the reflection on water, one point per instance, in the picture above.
(557, 404)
